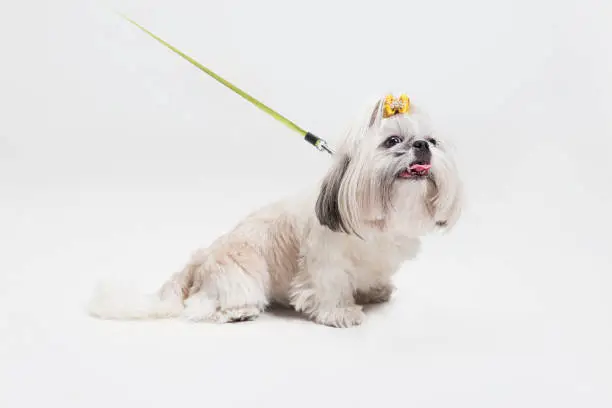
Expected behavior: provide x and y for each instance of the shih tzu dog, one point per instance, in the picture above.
(330, 251)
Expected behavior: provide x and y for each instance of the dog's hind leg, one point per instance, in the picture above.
(231, 285)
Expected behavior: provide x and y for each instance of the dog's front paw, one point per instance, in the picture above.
(340, 316)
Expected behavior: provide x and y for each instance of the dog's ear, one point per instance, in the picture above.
(448, 212)
(327, 207)
(445, 199)
(376, 114)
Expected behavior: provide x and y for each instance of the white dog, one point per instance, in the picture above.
(330, 252)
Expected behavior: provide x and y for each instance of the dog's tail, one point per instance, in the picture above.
(113, 302)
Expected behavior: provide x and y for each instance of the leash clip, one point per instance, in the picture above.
(324, 147)
(318, 143)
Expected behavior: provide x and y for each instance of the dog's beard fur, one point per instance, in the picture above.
(325, 254)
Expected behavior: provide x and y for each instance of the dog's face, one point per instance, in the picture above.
(390, 166)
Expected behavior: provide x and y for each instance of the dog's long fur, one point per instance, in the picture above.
(325, 253)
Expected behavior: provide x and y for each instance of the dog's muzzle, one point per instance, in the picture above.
(421, 164)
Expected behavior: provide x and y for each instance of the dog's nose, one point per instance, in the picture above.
(420, 145)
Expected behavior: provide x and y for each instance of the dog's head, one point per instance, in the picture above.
(390, 165)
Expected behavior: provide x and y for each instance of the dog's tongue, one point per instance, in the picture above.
(420, 167)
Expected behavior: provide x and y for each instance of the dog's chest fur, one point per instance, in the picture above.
(370, 260)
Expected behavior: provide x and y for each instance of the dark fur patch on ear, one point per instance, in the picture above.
(326, 208)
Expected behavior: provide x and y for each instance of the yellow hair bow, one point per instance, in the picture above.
(394, 106)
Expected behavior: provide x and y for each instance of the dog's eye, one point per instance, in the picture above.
(392, 141)
(432, 141)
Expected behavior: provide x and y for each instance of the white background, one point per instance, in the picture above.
(118, 159)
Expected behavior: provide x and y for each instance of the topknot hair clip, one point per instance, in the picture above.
(394, 106)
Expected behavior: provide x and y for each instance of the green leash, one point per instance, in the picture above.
(317, 142)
